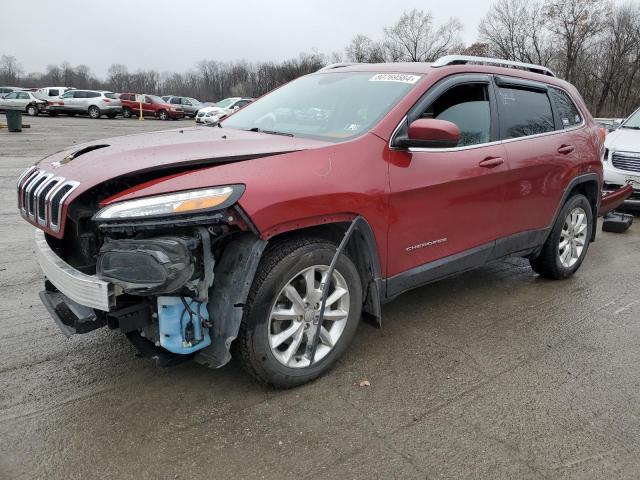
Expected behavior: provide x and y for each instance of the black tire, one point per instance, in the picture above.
(32, 110)
(94, 112)
(548, 263)
(279, 264)
(163, 115)
(126, 112)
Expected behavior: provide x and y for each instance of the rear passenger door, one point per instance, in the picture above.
(539, 151)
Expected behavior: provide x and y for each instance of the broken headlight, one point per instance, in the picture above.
(193, 201)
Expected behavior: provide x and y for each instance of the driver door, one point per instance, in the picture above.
(446, 205)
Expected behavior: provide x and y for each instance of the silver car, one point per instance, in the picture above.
(94, 103)
(24, 101)
(189, 105)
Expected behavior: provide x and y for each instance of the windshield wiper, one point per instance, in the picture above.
(270, 132)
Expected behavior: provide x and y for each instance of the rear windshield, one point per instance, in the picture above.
(331, 106)
(111, 95)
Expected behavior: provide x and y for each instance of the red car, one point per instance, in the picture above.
(269, 235)
(153, 106)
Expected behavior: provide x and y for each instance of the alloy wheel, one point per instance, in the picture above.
(573, 237)
(291, 321)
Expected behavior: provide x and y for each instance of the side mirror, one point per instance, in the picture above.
(431, 133)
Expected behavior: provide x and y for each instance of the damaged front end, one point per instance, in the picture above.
(149, 267)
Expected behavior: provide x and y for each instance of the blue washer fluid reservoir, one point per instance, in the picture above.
(173, 320)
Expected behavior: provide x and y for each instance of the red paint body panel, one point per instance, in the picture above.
(408, 198)
(150, 109)
(613, 200)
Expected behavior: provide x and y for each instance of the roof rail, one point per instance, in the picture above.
(333, 66)
(464, 59)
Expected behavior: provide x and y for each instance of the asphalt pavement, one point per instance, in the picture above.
(492, 374)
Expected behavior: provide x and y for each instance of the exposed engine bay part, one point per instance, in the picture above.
(234, 276)
(183, 325)
(148, 266)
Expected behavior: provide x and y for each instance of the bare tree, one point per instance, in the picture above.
(515, 30)
(574, 24)
(10, 70)
(419, 40)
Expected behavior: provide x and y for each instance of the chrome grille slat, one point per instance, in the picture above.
(628, 162)
(41, 196)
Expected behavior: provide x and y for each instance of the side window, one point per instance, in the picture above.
(23, 96)
(467, 106)
(93, 94)
(54, 92)
(80, 94)
(567, 110)
(241, 103)
(175, 100)
(68, 94)
(12, 95)
(523, 112)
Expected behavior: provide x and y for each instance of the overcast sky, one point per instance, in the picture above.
(171, 35)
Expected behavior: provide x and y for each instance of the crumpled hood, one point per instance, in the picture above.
(197, 146)
(623, 139)
(91, 164)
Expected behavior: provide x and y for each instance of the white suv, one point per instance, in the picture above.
(621, 158)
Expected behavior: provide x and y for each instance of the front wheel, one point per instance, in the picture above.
(32, 110)
(567, 244)
(163, 115)
(94, 112)
(278, 324)
(126, 112)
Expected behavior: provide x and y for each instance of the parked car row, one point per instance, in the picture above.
(96, 103)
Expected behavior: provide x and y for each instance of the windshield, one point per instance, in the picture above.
(226, 103)
(633, 121)
(333, 106)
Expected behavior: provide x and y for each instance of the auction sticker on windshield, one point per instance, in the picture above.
(395, 77)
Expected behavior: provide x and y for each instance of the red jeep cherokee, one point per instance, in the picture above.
(270, 234)
(153, 106)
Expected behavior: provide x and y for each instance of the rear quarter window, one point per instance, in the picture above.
(524, 112)
(567, 111)
(54, 92)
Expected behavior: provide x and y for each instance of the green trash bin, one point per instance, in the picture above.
(14, 120)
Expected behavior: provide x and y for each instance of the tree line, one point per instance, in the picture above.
(594, 44)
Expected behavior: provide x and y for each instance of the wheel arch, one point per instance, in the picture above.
(588, 185)
(236, 269)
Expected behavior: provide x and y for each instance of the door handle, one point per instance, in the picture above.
(491, 162)
(565, 149)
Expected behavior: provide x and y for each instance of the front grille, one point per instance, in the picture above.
(41, 196)
(626, 161)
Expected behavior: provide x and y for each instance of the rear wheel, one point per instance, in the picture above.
(32, 110)
(163, 115)
(567, 244)
(94, 112)
(278, 325)
(126, 112)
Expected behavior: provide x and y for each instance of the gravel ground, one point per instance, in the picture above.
(491, 374)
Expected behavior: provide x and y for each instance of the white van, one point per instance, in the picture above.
(50, 93)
